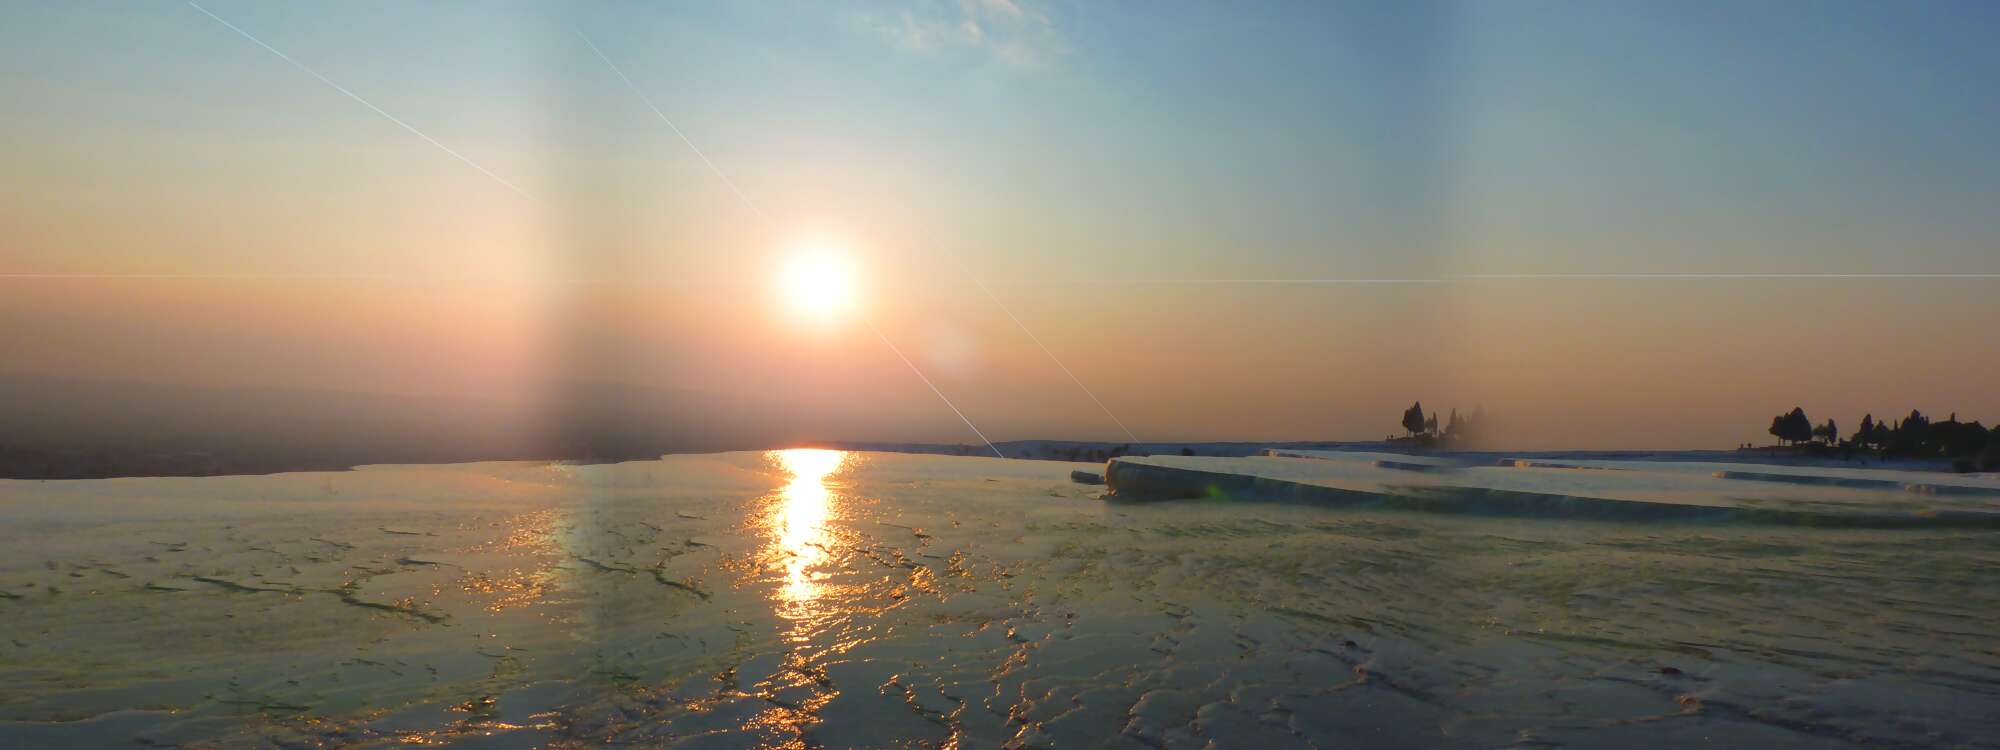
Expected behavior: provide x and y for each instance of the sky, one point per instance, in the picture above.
(1127, 179)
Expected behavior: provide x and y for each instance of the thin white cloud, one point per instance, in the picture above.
(1016, 34)
(1005, 7)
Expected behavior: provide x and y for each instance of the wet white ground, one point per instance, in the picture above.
(871, 600)
(1809, 493)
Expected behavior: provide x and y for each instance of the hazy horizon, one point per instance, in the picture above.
(188, 208)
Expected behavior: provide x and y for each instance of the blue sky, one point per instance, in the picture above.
(1305, 138)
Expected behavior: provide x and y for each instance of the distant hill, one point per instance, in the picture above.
(53, 428)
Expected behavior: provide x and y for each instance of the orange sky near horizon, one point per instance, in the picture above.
(1557, 364)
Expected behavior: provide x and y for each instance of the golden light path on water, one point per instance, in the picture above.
(799, 563)
(799, 522)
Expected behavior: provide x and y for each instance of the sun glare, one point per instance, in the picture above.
(816, 282)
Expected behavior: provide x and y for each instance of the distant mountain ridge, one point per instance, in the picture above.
(57, 428)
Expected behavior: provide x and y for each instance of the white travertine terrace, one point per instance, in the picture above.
(884, 600)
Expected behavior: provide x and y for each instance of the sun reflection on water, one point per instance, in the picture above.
(801, 563)
(799, 523)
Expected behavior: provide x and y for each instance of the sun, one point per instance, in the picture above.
(816, 282)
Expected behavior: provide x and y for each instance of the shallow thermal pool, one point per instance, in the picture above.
(827, 599)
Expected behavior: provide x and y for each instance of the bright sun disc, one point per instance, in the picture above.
(817, 283)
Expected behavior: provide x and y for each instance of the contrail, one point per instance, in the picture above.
(933, 387)
(1052, 356)
(752, 205)
(769, 225)
(357, 97)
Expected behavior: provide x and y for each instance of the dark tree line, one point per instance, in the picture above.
(1967, 444)
(1456, 432)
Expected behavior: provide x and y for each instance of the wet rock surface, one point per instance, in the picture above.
(1631, 491)
(817, 599)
